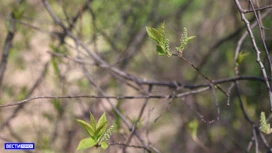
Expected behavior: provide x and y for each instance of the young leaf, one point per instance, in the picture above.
(154, 34)
(92, 122)
(190, 38)
(101, 126)
(86, 143)
(101, 120)
(104, 145)
(101, 130)
(87, 127)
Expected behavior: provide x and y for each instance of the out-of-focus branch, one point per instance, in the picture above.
(241, 40)
(257, 9)
(7, 45)
(258, 52)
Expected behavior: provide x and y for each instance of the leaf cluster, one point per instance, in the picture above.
(163, 43)
(159, 36)
(98, 133)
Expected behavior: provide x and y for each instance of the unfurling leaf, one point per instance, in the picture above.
(101, 126)
(87, 127)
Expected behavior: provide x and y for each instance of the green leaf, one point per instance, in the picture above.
(155, 34)
(101, 120)
(92, 122)
(104, 145)
(101, 126)
(101, 130)
(86, 143)
(87, 127)
(190, 38)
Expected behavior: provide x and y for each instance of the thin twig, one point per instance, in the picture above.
(103, 97)
(131, 146)
(180, 55)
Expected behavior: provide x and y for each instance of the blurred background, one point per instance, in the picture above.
(46, 58)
